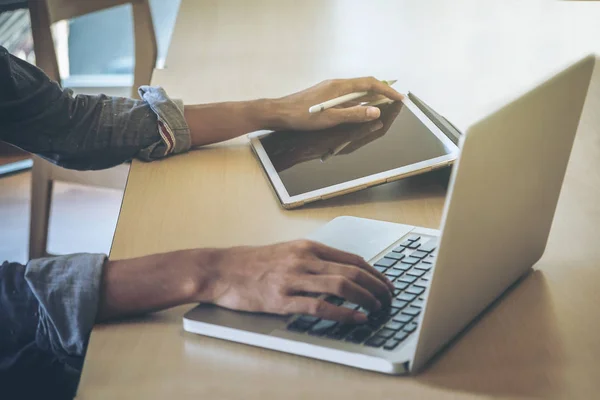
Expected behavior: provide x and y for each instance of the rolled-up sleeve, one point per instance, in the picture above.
(172, 127)
(85, 132)
(67, 291)
(47, 311)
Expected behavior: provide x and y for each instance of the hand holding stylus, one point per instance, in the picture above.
(293, 109)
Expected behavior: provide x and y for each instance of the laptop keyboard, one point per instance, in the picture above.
(409, 267)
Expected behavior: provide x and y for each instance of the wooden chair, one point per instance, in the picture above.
(43, 14)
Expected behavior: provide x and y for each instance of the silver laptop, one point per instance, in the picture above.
(498, 213)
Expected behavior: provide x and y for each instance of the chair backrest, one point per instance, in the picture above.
(46, 12)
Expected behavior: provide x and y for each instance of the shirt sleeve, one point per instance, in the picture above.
(85, 132)
(47, 310)
(67, 291)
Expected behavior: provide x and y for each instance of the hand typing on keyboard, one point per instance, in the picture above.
(409, 265)
(284, 278)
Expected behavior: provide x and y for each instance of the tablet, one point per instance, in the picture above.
(306, 166)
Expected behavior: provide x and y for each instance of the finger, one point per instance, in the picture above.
(357, 275)
(370, 84)
(330, 254)
(337, 286)
(323, 309)
(352, 114)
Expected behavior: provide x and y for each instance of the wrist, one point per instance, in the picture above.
(268, 113)
(204, 274)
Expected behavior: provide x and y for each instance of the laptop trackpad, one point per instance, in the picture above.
(365, 237)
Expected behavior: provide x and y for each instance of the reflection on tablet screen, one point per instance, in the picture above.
(311, 160)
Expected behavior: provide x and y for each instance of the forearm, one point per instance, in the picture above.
(152, 283)
(217, 122)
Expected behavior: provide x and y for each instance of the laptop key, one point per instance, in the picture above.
(416, 272)
(415, 290)
(380, 269)
(385, 262)
(399, 249)
(407, 279)
(400, 336)
(399, 304)
(400, 285)
(408, 297)
(375, 342)
(391, 344)
(393, 325)
(359, 334)
(414, 238)
(417, 303)
(386, 333)
(411, 260)
(395, 256)
(403, 267)
(410, 327)
(423, 266)
(299, 326)
(340, 330)
(411, 311)
(419, 254)
(393, 273)
(429, 246)
(403, 318)
(406, 243)
(322, 327)
(414, 245)
(394, 311)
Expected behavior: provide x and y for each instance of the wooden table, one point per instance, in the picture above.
(463, 57)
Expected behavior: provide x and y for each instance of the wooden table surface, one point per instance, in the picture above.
(464, 58)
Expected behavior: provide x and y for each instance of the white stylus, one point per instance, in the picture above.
(341, 100)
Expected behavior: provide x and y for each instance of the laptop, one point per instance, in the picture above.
(499, 209)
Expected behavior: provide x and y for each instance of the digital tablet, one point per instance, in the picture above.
(305, 166)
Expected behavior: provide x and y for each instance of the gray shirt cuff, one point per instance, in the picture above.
(67, 289)
(172, 126)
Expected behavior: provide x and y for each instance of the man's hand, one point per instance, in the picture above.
(279, 279)
(292, 111)
(217, 122)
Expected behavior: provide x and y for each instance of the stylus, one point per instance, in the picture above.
(341, 100)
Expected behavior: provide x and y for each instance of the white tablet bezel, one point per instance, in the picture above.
(288, 201)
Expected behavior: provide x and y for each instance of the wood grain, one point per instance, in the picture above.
(464, 58)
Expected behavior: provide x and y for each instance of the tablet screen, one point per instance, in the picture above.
(312, 160)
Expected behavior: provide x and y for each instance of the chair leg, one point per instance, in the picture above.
(145, 45)
(41, 198)
(43, 44)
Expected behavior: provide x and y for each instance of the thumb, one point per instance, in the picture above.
(354, 114)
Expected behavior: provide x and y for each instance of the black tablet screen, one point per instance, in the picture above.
(311, 160)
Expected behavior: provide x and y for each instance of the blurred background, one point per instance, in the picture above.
(94, 50)
(95, 54)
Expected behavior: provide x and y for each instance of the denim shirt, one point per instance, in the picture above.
(49, 305)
